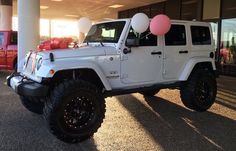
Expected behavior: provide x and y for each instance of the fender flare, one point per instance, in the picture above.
(44, 71)
(192, 63)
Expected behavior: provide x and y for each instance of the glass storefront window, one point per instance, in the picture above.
(228, 41)
(214, 27)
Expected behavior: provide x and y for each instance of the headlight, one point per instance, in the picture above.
(25, 60)
(39, 63)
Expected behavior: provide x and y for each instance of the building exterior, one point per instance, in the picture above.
(220, 13)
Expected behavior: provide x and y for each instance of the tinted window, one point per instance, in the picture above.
(176, 36)
(200, 35)
(145, 39)
(1, 38)
(13, 38)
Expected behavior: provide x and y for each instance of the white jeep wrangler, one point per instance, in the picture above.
(69, 86)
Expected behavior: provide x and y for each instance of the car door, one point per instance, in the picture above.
(176, 51)
(143, 64)
(2, 50)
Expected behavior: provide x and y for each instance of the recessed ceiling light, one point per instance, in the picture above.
(116, 6)
(44, 7)
(70, 15)
(57, 0)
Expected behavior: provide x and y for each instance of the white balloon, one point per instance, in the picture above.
(84, 24)
(140, 22)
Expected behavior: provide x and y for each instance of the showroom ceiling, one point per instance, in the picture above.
(94, 9)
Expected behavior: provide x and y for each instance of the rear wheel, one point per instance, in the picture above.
(75, 111)
(199, 93)
(32, 104)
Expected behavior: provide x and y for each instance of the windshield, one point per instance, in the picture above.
(105, 32)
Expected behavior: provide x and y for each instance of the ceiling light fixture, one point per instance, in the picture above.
(44, 7)
(116, 6)
(70, 15)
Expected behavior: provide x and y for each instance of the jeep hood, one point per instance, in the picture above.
(76, 52)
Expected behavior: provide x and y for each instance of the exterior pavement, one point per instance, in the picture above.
(132, 123)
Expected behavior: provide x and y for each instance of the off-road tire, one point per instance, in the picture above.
(75, 111)
(32, 104)
(199, 92)
(150, 93)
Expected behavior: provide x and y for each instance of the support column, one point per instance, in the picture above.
(28, 28)
(5, 15)
(81, 37)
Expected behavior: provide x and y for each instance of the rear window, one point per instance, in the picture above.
(200, 35)
(176, 36)
(1, 38)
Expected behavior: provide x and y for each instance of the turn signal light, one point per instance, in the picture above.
(52, 72)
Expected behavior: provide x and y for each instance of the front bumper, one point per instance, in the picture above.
(26, 87)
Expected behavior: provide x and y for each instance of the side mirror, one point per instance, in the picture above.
(134, 42)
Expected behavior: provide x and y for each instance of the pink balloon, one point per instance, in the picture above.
(160, 25)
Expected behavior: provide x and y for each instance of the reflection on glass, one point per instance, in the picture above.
(228, 45)
(214, 27)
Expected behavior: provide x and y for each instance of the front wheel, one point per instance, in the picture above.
(199, 93)
(75, 111)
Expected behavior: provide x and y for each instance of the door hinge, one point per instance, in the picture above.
(164, 71)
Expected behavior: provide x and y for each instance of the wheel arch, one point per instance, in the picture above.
(197, 63)
(88, 74)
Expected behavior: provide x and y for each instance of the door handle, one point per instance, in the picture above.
(156, 53)
(183, 51)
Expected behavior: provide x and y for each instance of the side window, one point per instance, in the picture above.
(200, 35)
(176, 36)
(148, 39)
(1, 38)
(13, 38)
(145, 39)
(132, 34)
